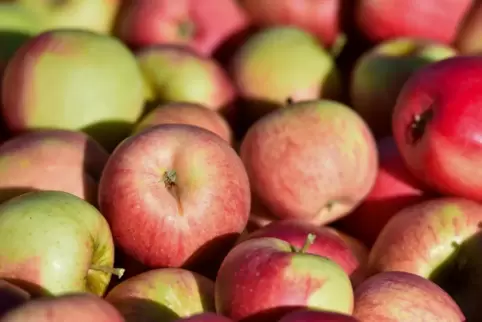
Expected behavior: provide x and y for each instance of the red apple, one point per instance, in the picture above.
(327, 243)
(436, 20)
(313, 160)
(11, 296)
(317, 316)
(186, 113)
(186, 188)
(435, 125)
(395, 188)
(402, 297)
(51, 160)
(262, 279)
(469, 36)
(71, 307)
(164, 294)
(205, 317)
(320, 18)
(201, 25)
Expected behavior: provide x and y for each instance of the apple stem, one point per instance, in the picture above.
(310, 239)
(289, 101)
(169, 178)
(119, 272)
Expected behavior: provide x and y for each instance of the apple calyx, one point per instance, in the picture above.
(170, 178)
(119, 272)
(310, 239)
(416, 128)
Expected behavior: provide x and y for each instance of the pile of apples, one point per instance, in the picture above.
(240, 160)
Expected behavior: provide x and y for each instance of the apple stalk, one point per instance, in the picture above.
(119, 272)
(310, 239)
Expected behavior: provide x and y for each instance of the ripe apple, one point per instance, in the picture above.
(436, 20)
(380, 73)
(177, 74)
(401, 296)
(327, 243)
(470, 32)
(439, 240)
(312, 160)
(395, 188)
(51, 160)
(73, 79)
(11, 296)
(281, 63)
(52, 243)
(317, 316)
(321, 18)
(200, 25)
(262, 279)
(186, 113)
(69, 307)
(164, 294)
(187, 189)
(92, 15)
(205, 317)
(435, 126)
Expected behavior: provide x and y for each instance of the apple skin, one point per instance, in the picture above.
(267, 70)
(164, 294)
(468, 38)
(69, 307)
(205, 317)
(92, 15)
(173, 74)
(436, 20)
(395, 188)
(401, 296)
(95, 74)
(201, 26)
(263, 279)
(321, 18)
(380, 73)
(314, 180)
(51, 160)
(205, 210)
(51, 240)
(434, 126)
(327, 243)
(317, 316)
(11, 296)
(186, 113)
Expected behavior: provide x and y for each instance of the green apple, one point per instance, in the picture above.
(380, 73)
(164, 294)
(53, 243)
(76, 80)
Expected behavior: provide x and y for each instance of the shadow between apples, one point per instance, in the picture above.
(274, 314)
(109, 133)
(35, 291)
(142, 310)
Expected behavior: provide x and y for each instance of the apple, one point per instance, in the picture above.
(164, 294)
(468, 38)
(187, 190)
(92, 15)
(317, 316)
(178, 74)
(54, 243)
(395, 188)
(200, 25)
(11, 296)
(435, 126)
(380, 73)
(186, 113)
(262, 279)
(401, 296)
(69, 307)
(282, 63)
(321, 18)
(439, 240)
(74, 80)
(327, 243)
(51, 160)
(313, 160)
(205, 317)
(436, 20)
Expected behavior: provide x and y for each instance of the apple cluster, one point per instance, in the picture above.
(240, 160)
